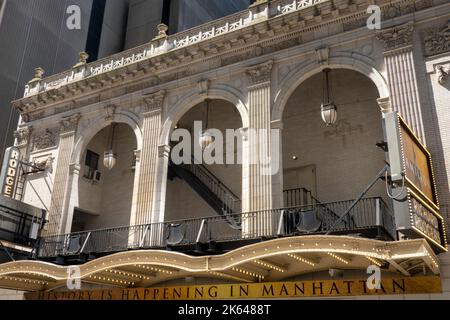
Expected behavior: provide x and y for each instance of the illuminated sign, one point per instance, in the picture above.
(10, 168)
(278, 290)
(417, 163)
(416, 204)
(426, 221)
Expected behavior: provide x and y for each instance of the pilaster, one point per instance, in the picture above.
(61, 191)
(148, 160)
(402, 78)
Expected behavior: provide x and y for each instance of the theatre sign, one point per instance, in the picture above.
(9, 173)
(277, 290)
(416, 202)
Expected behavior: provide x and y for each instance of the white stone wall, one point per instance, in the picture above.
(109, 200)
(38, 187)
(346, 157)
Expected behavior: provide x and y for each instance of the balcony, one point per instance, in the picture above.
(19, 226)
(369, 218)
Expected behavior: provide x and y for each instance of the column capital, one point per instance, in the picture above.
(70, 124)
(22, 136)
(397, 37)
(260, 73)
(385, 105)
(154, 102)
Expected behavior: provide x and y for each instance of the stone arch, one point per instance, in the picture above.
(303, 73)
(99, 123)
(190, 100)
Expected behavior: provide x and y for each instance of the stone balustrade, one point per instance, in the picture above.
(260, 11)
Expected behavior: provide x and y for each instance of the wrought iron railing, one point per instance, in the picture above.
(231, 203)
(368, 215)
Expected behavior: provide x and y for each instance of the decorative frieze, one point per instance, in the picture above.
(69, 124)
(44, 140)
(396, 37)
(22, 135)
(437, 40)
(261, 73)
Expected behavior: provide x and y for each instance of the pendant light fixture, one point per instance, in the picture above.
(110, 158)
(206, 139)
(328, 108)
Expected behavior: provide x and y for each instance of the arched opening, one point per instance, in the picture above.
(198, 190)
(105, 195)
(333, 165)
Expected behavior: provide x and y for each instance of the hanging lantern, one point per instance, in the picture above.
(206, 139)
(329, 114)
(110, 158)
(328, 108)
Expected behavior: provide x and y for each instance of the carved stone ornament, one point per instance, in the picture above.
(70, 124)
(22, 135)
(396, 37)
(260, 73)
(323, 55)
(437, 40)
(203, 86)
(443, 74)
(44, 140)
(154, 101)
(110, 112)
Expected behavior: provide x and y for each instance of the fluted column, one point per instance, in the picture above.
(148, 164)
(399, 61)
(257, 193)
(60, 196)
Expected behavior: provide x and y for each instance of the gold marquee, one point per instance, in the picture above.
(264, 262)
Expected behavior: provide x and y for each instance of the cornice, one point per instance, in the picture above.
(263, 38)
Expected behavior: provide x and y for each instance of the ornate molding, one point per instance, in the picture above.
(22, 135)
(203, 86)
(154, 102)
(437, 40)
(44, 140)
(443, 74)
(110, 112)
(70, 124)
(260, 73)
(323, 55)
(397, 37)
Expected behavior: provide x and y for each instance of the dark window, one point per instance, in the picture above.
(95, 29)
(91, 163)
(166, 12)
